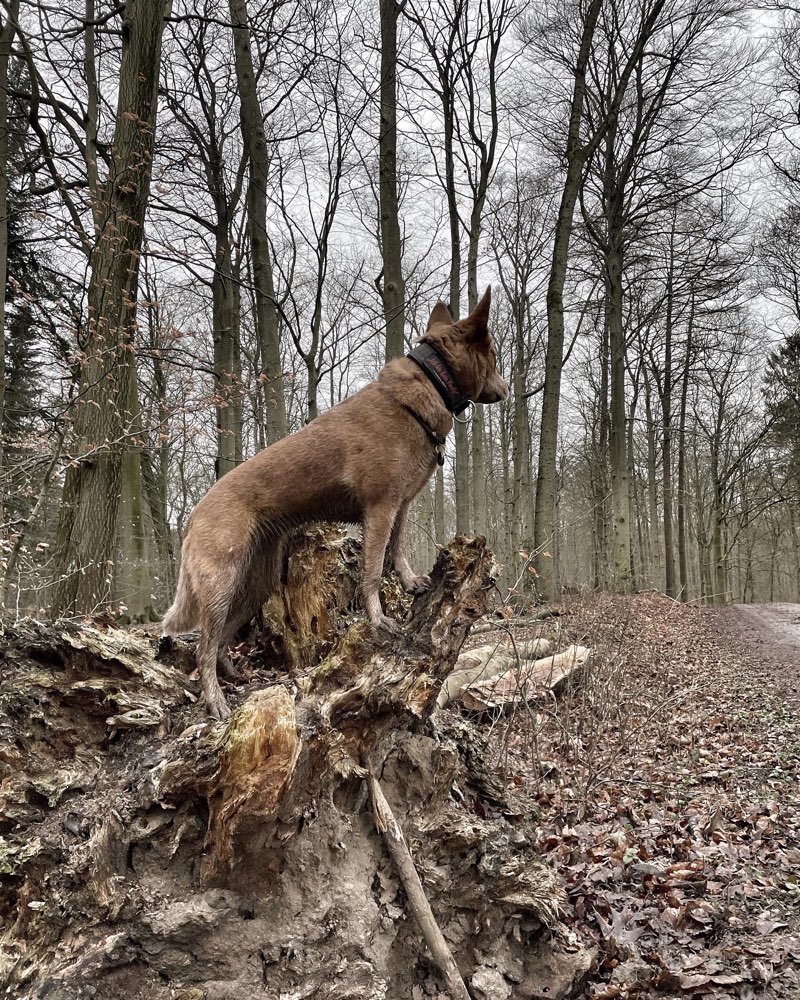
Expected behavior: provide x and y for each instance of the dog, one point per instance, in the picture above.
(363, 461)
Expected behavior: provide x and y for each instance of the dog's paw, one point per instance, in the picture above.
(417, 585)
(386, 624)
(216, 705)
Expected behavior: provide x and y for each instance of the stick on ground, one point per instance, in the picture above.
(417, 900)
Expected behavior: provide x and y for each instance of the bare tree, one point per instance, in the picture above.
(7, 30)
(568, 40)
(105, 412)
(392, 284)
(255, 141)
(201, 116)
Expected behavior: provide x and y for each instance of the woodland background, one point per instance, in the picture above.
(222, 218)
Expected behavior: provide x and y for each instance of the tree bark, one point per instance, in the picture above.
(795, 537)
(393, 288)
(520, 509)
(132, 585)
(7, 31)
(87, 531)
(461, 432)
(438, 505)
(255, 141)
(683, 544)
(666, 416)
(620, 487)
(653, 534)
(227, 358)
(155, 463)
(599, 475)
(638, 569)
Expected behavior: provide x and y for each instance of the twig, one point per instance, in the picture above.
(417, 900)
(527, 620)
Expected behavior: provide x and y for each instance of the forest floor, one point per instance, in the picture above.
(667, 784)
(662, 788)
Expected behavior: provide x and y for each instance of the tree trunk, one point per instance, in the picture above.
(683, 554)
(545, 525)
(132, 584)
(599, 478)
(438, 505)
(155, 464)
(391, 245)
(7, 32)
(718, 556)
(620, 488)
(87, 531)
(462, 477)
(227, 358)
(519, 507)
(654, 540)
(480, 485)
(795, 536)
(638, 569)
(666, 453)
(255, 141)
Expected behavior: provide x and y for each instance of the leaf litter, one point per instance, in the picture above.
(666, 787)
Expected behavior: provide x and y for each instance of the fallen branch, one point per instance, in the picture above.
(482, 663)
(526, 680)
(528, 621)
(398, 848)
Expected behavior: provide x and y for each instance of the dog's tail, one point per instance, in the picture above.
(181, 616)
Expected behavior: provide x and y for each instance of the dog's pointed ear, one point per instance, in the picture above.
(480, 314)
(476, 325)
(440, 316)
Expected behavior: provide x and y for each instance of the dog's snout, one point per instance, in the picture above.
(499, 389)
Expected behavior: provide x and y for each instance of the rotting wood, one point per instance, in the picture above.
(368, 686)
(319, 598)
(143, 844)
(526, 680)
(482, 663)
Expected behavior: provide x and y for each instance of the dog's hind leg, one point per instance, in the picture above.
(217, 591)
(208, 650)
(219, 629)
(411, 582)
(243, 610)
(258, 579)
(224, 665)
(378, 521)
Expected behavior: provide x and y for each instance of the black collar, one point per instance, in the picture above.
(441, 376)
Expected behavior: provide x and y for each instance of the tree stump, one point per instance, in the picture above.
(148, 852)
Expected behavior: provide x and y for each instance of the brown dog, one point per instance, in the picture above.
(363, 461)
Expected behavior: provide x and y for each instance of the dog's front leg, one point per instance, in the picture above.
(412, 583)
(378, 522)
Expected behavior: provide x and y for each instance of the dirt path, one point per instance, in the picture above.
(770, 635)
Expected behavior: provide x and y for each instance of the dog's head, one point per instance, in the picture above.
(469, 349)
